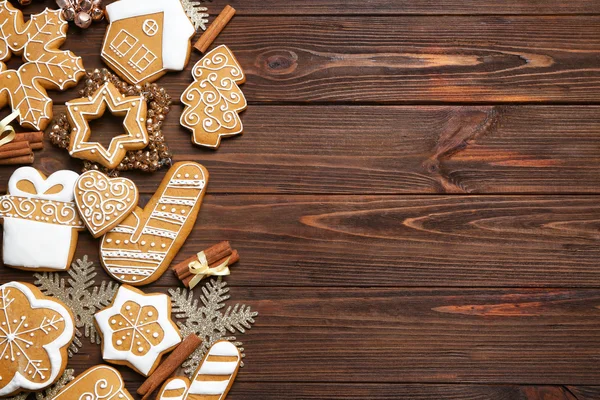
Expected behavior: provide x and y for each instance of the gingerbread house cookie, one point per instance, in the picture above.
(145, 39)
(35, 332)
(137, 329)
(41, 223)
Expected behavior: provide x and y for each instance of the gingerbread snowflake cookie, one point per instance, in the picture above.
(41, 223)
(137, 329)
(145, 39)
(45, 66)
(81, 111)
(213, 100)
(99, 382)
(139, 249)
(104, 202)
(212, 379)
(35, 332)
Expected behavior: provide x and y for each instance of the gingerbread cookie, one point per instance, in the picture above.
(137, 329)
(212, 379)
(213, 100)
(96, 383)
(45, 67)
(81, 111)
(147, 38)
(104, 202)
(35, 332)
(41, 222)
(139, 249)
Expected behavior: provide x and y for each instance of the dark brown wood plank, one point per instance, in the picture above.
(402, 7)
(432, 59)
(488, 336)
(585, 392)
(386, 150)
(392, 241)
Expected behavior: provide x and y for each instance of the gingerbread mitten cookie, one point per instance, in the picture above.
(145, 39)
(212, 379)
(137, 329)
(139, 250)
(35, 332)
(99, 382)
(41, 222)
(213, 100)
(45, 67)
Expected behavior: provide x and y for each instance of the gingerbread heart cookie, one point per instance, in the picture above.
(104, 202)
(139, 249)
(212, 379)
(35, 332)
(99, 382)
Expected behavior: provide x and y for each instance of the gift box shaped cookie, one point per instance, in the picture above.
(40, 220)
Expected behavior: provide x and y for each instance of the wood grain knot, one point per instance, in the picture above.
(279, 62)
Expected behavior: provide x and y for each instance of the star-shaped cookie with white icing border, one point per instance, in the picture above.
(81, 111)
(137, 329)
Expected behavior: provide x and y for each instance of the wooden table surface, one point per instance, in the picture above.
(415, 197)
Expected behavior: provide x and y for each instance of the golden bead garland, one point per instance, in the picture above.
(149, 159)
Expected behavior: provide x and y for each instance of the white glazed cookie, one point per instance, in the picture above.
(35, 332)
(104, 202)
(40, 220)
(137, 329)
(139, 249)
(213, 100)
(45, 67)
(147, 38)
(97, 383)
(81, 111)
(212, 379)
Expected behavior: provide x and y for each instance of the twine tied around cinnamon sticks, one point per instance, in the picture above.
(214, 261)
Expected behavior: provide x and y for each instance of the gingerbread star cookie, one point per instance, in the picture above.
(139, 249)
(137, 329)
(81, 111)
(35, 332)
(99, 382)
(145, 39)
(104, 202)
(41, 223)
(212, 379)
(45, 67)
(213, 100)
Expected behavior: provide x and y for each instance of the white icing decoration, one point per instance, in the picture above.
(177, 32)
(108, 385)
(52, 349)
(64, 178)
(142, 363)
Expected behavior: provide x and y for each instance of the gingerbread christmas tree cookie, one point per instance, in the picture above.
(35, 332)
(145, 39)
(40, 220)
(99, 382)
(137, 329)
(81, 111)
(45, 67)
(213, 100)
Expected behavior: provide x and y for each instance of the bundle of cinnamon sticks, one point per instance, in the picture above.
(215, 256)
(20, 149)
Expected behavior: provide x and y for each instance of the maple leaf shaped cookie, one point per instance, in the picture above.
(214, 99)
(45, 66)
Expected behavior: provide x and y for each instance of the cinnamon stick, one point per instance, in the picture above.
(26, 151)
(213, 253)
(171, 363)
(31, 137)
(214, 29)
(233, 258)
(17, 160)
(14, 146)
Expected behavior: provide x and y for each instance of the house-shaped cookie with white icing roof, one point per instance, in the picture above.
(146, 38)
